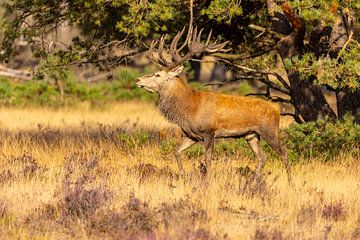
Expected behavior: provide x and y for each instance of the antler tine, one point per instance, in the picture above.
(194, 37)
(217, 47)
(193, 42)
(195, 45)
(186, 40)
(163, 59)
(208, 38)
(198, 39)
(210, 47)
(151, 52)
(175, 53)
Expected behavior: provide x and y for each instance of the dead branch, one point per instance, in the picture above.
(264, 30)
(100, 77)
(14, 73)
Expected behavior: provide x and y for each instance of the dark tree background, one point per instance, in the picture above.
(301, 49)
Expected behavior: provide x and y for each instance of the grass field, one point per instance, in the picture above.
(82, 173)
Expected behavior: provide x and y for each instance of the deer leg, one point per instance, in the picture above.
(185, 144)
(275, 144)
(286, 162)
(208, 145)
(253, 141)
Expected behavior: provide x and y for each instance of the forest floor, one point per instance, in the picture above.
(82, 173)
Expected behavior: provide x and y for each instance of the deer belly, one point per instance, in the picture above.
(223, 133)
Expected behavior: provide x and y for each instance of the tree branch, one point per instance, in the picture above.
(241, 57)
(286, 86)
(265, 30)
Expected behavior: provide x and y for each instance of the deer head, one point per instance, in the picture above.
(171, 59)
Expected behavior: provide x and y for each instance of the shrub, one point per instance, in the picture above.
(323, 138)
(18, 168)
(135, 139)
(265, 234)
(76, 198)
(334, 211)
(168, 146)
(39, 92)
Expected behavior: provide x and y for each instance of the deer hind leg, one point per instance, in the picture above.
(185, 144)
(253, 141)
(274, 143)
(208, 145)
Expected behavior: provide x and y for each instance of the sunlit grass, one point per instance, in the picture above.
(119, 186)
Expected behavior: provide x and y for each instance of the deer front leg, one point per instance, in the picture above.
(185, 144)
(208, 145)
(253, 141)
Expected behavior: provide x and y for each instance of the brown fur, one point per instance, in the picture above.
(200, 113)
(204, 116)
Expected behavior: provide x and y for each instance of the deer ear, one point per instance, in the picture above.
(177, 71)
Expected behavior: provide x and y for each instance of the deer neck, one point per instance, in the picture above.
(178, 102)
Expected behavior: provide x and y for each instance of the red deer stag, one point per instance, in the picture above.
(205, 116)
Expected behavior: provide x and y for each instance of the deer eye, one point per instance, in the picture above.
(157, 75)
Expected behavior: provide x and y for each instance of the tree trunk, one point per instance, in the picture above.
(307, 98)
(195, 65)
(348, 101)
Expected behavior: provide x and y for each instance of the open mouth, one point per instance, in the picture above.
(146, 88)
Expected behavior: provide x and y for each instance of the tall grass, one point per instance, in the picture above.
(86, 174)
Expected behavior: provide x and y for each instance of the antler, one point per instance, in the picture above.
(193, 43)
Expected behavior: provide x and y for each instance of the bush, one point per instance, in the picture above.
(323, 138)
(42, 93)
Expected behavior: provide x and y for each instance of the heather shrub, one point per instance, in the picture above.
(20, 167)
(76, 198)
(135, 220)
(266, 234)
(334, 211)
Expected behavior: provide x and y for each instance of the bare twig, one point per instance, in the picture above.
(242, 57)
(217, 83)
(264, 30)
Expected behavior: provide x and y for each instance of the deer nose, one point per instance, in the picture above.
(137, 80)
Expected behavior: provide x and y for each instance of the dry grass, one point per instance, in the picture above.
(77, 173)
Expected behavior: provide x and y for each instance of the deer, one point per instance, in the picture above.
(204, 116)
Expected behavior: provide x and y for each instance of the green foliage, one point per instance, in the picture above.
(168, 146)
(136, 139)
(331, 72)
(224, 147)
(37, 93)
(313, 11)
(223, 10)
(143, 17)
(323, 138)
(43, 93)
(322, 10)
